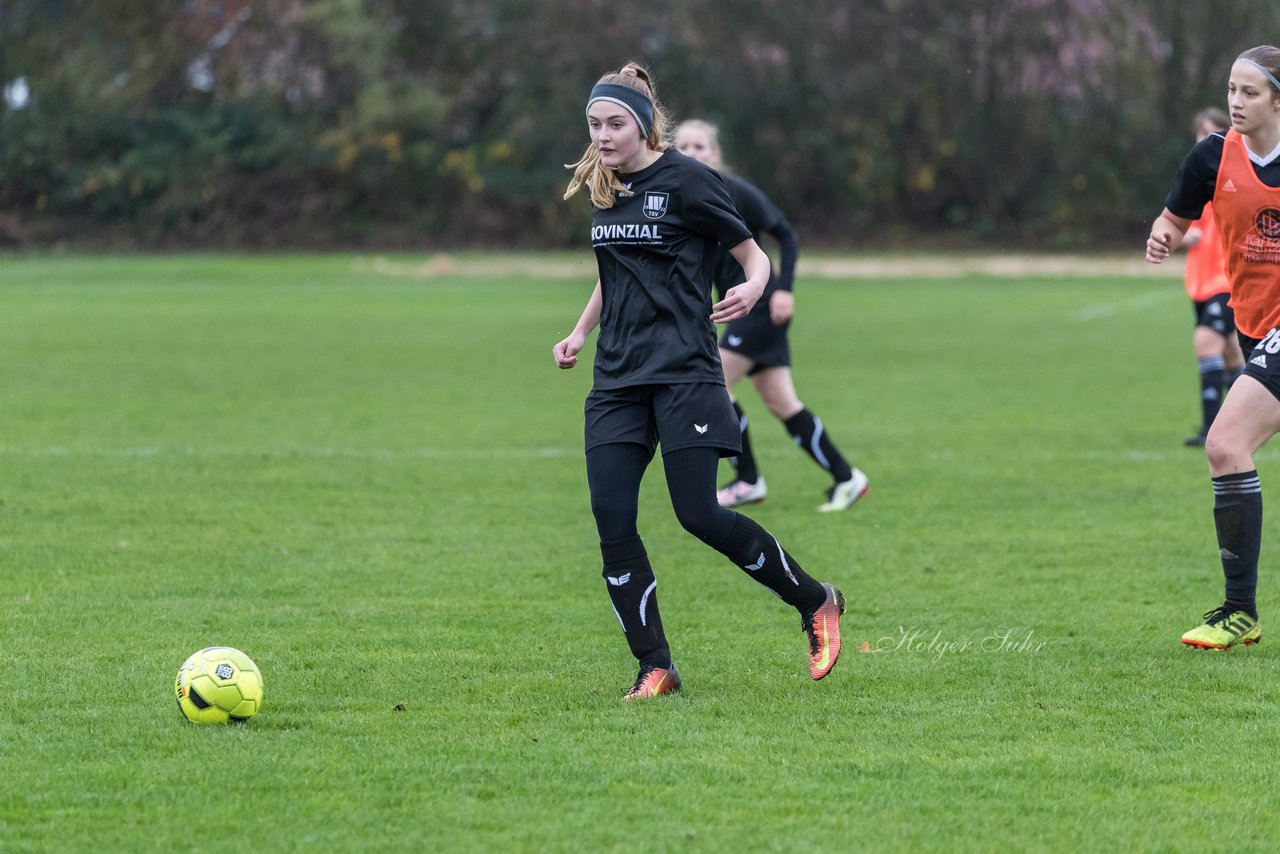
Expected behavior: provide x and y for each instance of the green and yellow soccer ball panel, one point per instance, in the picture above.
(218, 684)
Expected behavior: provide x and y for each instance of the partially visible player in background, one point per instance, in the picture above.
(1217, 350)
(1239, 172)
(756, 345)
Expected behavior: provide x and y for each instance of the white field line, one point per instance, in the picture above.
(999, 266)
(546, 453)
(1102, 310)
(210, 452)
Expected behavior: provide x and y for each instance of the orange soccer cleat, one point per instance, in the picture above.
(823, 629)
(653, 681)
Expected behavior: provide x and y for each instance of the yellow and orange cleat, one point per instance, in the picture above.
(654, 681)
(1223, 628)
(823, 629)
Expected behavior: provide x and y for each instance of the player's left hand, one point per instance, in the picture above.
(737, 302)
(782, 305)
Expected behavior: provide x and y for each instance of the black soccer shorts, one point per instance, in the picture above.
(678, 415)
(1262, 359)
(758, 339)
(1215, 314)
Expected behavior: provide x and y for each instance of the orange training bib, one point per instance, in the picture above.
(1248, 217)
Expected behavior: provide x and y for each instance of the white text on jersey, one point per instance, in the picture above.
(625, 231)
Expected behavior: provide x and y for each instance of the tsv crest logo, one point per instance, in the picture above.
(655, 205)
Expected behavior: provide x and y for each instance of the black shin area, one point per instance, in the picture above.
(614, 473)
(691, 483)
(633, 594)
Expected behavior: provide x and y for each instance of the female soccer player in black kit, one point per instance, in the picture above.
(756, 345)
(659, 217)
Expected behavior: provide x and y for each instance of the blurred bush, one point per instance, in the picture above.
(389, 123)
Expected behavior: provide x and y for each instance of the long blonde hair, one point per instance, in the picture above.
(600, 180)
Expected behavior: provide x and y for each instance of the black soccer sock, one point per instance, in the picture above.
(807, 431)
(758, 553)
(1212, 381)
(1237, 515)
(744, 463)
(633, 592)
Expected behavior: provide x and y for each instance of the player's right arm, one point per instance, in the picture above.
(1193, 188)
(1166, 234)
(566, 352)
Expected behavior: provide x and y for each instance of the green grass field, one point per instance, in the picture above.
(374, 485)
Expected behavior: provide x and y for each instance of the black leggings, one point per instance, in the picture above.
(614, 473)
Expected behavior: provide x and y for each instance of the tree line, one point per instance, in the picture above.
(447, 123)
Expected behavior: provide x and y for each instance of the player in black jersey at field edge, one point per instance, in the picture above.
(658, 219)
(756, 345)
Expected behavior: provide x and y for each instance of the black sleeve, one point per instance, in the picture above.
(762, 216)
(789, 243)
(1197, 178)
(708, 210)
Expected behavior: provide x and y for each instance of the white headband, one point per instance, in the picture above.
(1275, 84)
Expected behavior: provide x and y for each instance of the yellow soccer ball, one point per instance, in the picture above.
(218, 684)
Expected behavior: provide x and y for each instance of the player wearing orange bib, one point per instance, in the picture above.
(1239, 171)
(1206, 263)
(1217, 352)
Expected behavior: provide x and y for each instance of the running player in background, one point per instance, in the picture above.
(756, 345)
(658, 219)
(1217, 350)
(1239, 172)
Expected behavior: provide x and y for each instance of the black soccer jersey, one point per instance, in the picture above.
(656, 251)
(1198, 176)
(763, 217)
